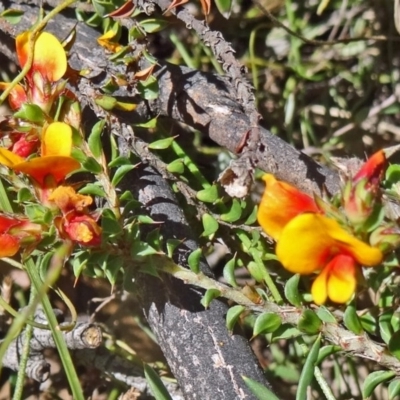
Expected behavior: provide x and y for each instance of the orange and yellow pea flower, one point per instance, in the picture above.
(15, 232)
(309, 242)
(55, 162)
(76, 223)
(48, 66)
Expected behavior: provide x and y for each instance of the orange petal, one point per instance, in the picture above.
(373, 168)
(56, 166)
(309, 241)
(66, 199)
(280, 203)
(6, 223)
(83, 229)
(17, 96)
(9, 159)
(49, 55)
(57, 140)
(9, 245)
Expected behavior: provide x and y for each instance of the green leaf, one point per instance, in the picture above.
(385, 326)
(148, 89)
(120, 173)
(156, 385)
(393, 173)
(292, 290)
(94, 139)
(309, 322)
(224, 7)
(171, 245)
(373, 380)
(394, 344)
(210, 225)
(252, 217)
(257, 270)
(234, 213)
(232, 316)
(285, 331)
(229, 272)
(307, 373)
(394, 389)
(368, 322)
(37, 213)
(260, 391)
(194, 260)
(325, 315)
(266, 323)
(106, 102)
(141, 249)
(176, 167)
(152, 25)
(12, 16)
(327, 351)
(351, 320)
(209, 195)
(112, 268)
(24, 194)
(110, 224)
(395, 321)
(117, 162)
(93, 189)
(209, 296)
(30, 112)
(91, 165)
(162, 144)
(149, 124)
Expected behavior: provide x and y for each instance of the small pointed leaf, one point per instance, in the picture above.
(266, 323)
(351, 320)
(292, 290)
(307, 373)
(209, 195)
(309, 322)
(233, 315)
(373, 380)
(209, 296)
(194, 260)
(210, 225)
(260, 391)
(162, 144)
(156, 385)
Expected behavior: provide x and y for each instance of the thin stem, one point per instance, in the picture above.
(19, 386)
(62, 348)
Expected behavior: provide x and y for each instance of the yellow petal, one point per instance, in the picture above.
(319, 288)
(340, 290)
(108, 41)
(49, 55)
(336, 281)
(309, 241)
(280, 203)
(57, 140)
(9, 159)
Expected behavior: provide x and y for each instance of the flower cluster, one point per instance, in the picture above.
(315, 237)
(38, 143)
